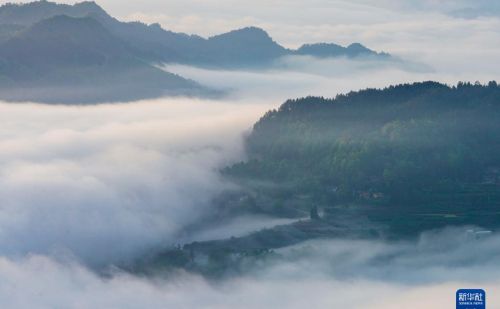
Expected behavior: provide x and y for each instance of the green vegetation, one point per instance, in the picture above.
(387, 163)
(413, 147)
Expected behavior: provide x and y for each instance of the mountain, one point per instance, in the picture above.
(243, 47)
(33, 12)
(153, 41)
(67, 59)
(373, 164)
(78, 53)
(396, 154)
(63, 41)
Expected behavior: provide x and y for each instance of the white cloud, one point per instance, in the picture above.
(318, 274)
(106, 182)
(300, 76)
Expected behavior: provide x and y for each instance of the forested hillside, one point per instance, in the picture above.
(423, 145)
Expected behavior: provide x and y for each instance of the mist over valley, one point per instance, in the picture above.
(145, 167)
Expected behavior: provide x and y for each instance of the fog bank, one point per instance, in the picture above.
(329, 274)
(104, 183)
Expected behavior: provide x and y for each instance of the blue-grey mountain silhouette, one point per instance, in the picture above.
(78, 53)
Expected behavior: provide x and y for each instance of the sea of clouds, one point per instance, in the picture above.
(84, 188)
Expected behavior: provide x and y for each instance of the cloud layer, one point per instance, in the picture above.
(106, 182)
(324, 274)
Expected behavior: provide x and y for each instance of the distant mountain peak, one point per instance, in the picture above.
(30, 13)
(252, 29)
(246, 33)
(63, 40)
(91, 6)
(88, 4)
(79, 60)
(249, 45)
(358, 47)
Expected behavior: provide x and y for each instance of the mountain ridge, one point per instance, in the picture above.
(249, 45)
(48, 48)
(66, 59)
